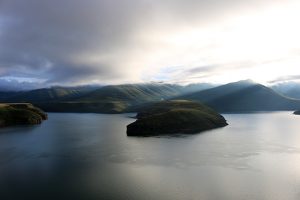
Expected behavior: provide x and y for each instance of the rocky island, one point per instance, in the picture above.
(297, 112)
(20, 114)
(176, 116)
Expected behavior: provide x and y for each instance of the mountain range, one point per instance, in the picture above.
(289, 89)
(242, 96)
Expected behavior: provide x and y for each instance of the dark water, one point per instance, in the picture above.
(89, 156)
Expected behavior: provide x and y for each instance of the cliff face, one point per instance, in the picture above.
(20, 114)
(176, 116)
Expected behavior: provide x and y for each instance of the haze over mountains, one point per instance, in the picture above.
(289, 89)
(242, 96)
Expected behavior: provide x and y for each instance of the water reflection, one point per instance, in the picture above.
(89, 156)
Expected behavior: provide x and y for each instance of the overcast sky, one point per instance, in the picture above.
(73, 42)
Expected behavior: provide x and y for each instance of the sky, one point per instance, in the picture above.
(76, 42)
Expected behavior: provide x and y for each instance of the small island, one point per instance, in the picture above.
(12, 114)
(297, 112)
(175, 116)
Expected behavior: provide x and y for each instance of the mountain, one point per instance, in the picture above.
(47, 94)
(106, 99)
(132, 93)
(289, 89)
(243, 96)
(5, 95)
(196, 87)
(233, 97)
(217, 92)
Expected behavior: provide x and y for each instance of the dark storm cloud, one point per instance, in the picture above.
(65, 41)
(49, 35)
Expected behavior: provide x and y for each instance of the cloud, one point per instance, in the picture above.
(13, 84)
(107, 41)
(286, 78)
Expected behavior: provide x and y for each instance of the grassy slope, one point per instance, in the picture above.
(134, 93)
(20, 114)
(107, 99)
(47, 95)
(178, 116)
(237, 98)
(85, 107)
(113, 99)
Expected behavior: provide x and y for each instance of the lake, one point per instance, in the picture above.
(89, 156)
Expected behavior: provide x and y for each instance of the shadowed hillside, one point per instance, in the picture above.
(239, 96)
(107, 99)
(289, 89)
(134, 93)
(243, 96)
(20, 114)
(176, 116)
(48, 94)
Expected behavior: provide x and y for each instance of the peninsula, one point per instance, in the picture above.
(12, 114)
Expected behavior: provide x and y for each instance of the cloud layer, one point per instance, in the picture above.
(104, 41)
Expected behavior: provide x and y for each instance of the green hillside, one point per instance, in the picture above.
(242, 97)
(177, 116)
(133, 93)
(20, 114)
(48, 95)
(106, 99)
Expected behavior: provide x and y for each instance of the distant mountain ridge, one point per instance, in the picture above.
(47, 94)
(243, 96)
(135, 93)
(106, 99)
(289, 89)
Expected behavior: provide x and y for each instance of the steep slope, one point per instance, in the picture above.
(48, 95)
(197, 87)
(5, 95)
(289, 89)
(107, 99)
(217, 92)
(243, 96)
(20, 114)
(132, 93)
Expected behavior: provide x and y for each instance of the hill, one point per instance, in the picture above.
(134, 93)
(180, 116)
(113, 98)
(5, 95)
(48, 94)
(243, 96)
(106, 99)
(20, 114)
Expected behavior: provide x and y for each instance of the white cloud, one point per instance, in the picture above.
(78, 42)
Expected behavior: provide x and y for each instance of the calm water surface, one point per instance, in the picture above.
(89, 156)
